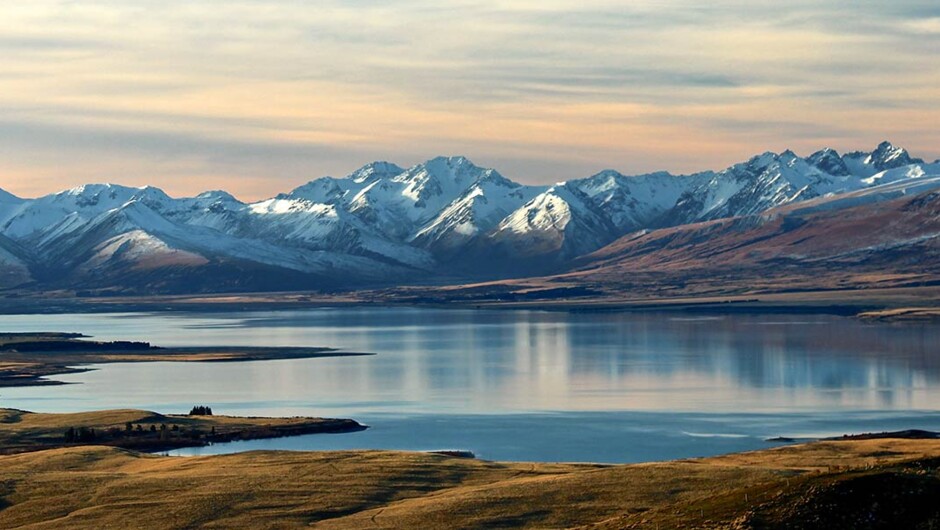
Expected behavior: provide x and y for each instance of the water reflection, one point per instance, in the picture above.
(472, 361)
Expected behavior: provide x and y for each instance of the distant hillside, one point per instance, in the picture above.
(884, 236)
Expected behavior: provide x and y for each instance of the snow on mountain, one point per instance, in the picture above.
(329, 190)
(402, 206)
(212, 209)
(890, 230)
(763, 182)
(635, 202)
(128, 234)
(475, 212)
(136, 238)
(829, 161)
(438, 204)
(139, 249)
(71, 209)
(887, 186)
(770, 180)
(561, 223)
(325, 227)
(902, 174)
(886, 156)
(384, 222)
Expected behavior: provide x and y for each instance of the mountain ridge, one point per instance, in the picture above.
(382, 223)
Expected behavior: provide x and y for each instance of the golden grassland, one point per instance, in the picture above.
(823, 484)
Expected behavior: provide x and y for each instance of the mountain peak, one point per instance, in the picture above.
(885, 144)
(606, 174)
(447, 171)
(757, 164)
(828, 160)
(448, 164)
(94, 189)
(106, 193)
(454, 160)
(214, 195)
(86, 189)
(376, 170)
(764, 159)
(888, 156)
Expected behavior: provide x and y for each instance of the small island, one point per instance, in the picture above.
(28, 359)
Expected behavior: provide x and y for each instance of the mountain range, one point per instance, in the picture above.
(448, 220)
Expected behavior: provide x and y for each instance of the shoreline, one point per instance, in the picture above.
(886, 305)
(893, 304)
(30, 359)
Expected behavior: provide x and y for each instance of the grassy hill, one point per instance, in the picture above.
(881, 483)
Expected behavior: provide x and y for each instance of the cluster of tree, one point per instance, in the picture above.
(82, 434)
(131, 430)
(175, 431)
(201, 410)
(164, 431)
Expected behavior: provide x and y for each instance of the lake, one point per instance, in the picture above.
(523, 385)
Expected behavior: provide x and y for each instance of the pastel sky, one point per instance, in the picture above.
(257, 97)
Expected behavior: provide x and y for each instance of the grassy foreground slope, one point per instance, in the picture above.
(886, 483)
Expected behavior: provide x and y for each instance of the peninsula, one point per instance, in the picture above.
(28, 359)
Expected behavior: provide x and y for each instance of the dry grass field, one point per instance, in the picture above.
(884, 483)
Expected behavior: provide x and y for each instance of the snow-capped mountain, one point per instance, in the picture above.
(475, 212)
(632, 203)
(384, 223)
(770, 180)
(886, 235)
(562, 222)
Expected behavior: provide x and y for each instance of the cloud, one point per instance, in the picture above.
(257, 88)
(927, 26)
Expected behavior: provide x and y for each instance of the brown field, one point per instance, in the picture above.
(839, 484)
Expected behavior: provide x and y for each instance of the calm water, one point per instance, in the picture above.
(524, 385)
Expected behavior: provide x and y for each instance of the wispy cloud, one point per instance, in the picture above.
(267, 94)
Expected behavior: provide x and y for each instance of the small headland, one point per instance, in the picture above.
(29, 359)
(145, 431)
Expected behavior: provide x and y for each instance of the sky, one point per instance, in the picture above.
(258, 97)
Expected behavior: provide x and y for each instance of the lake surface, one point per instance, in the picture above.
(523, 385)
